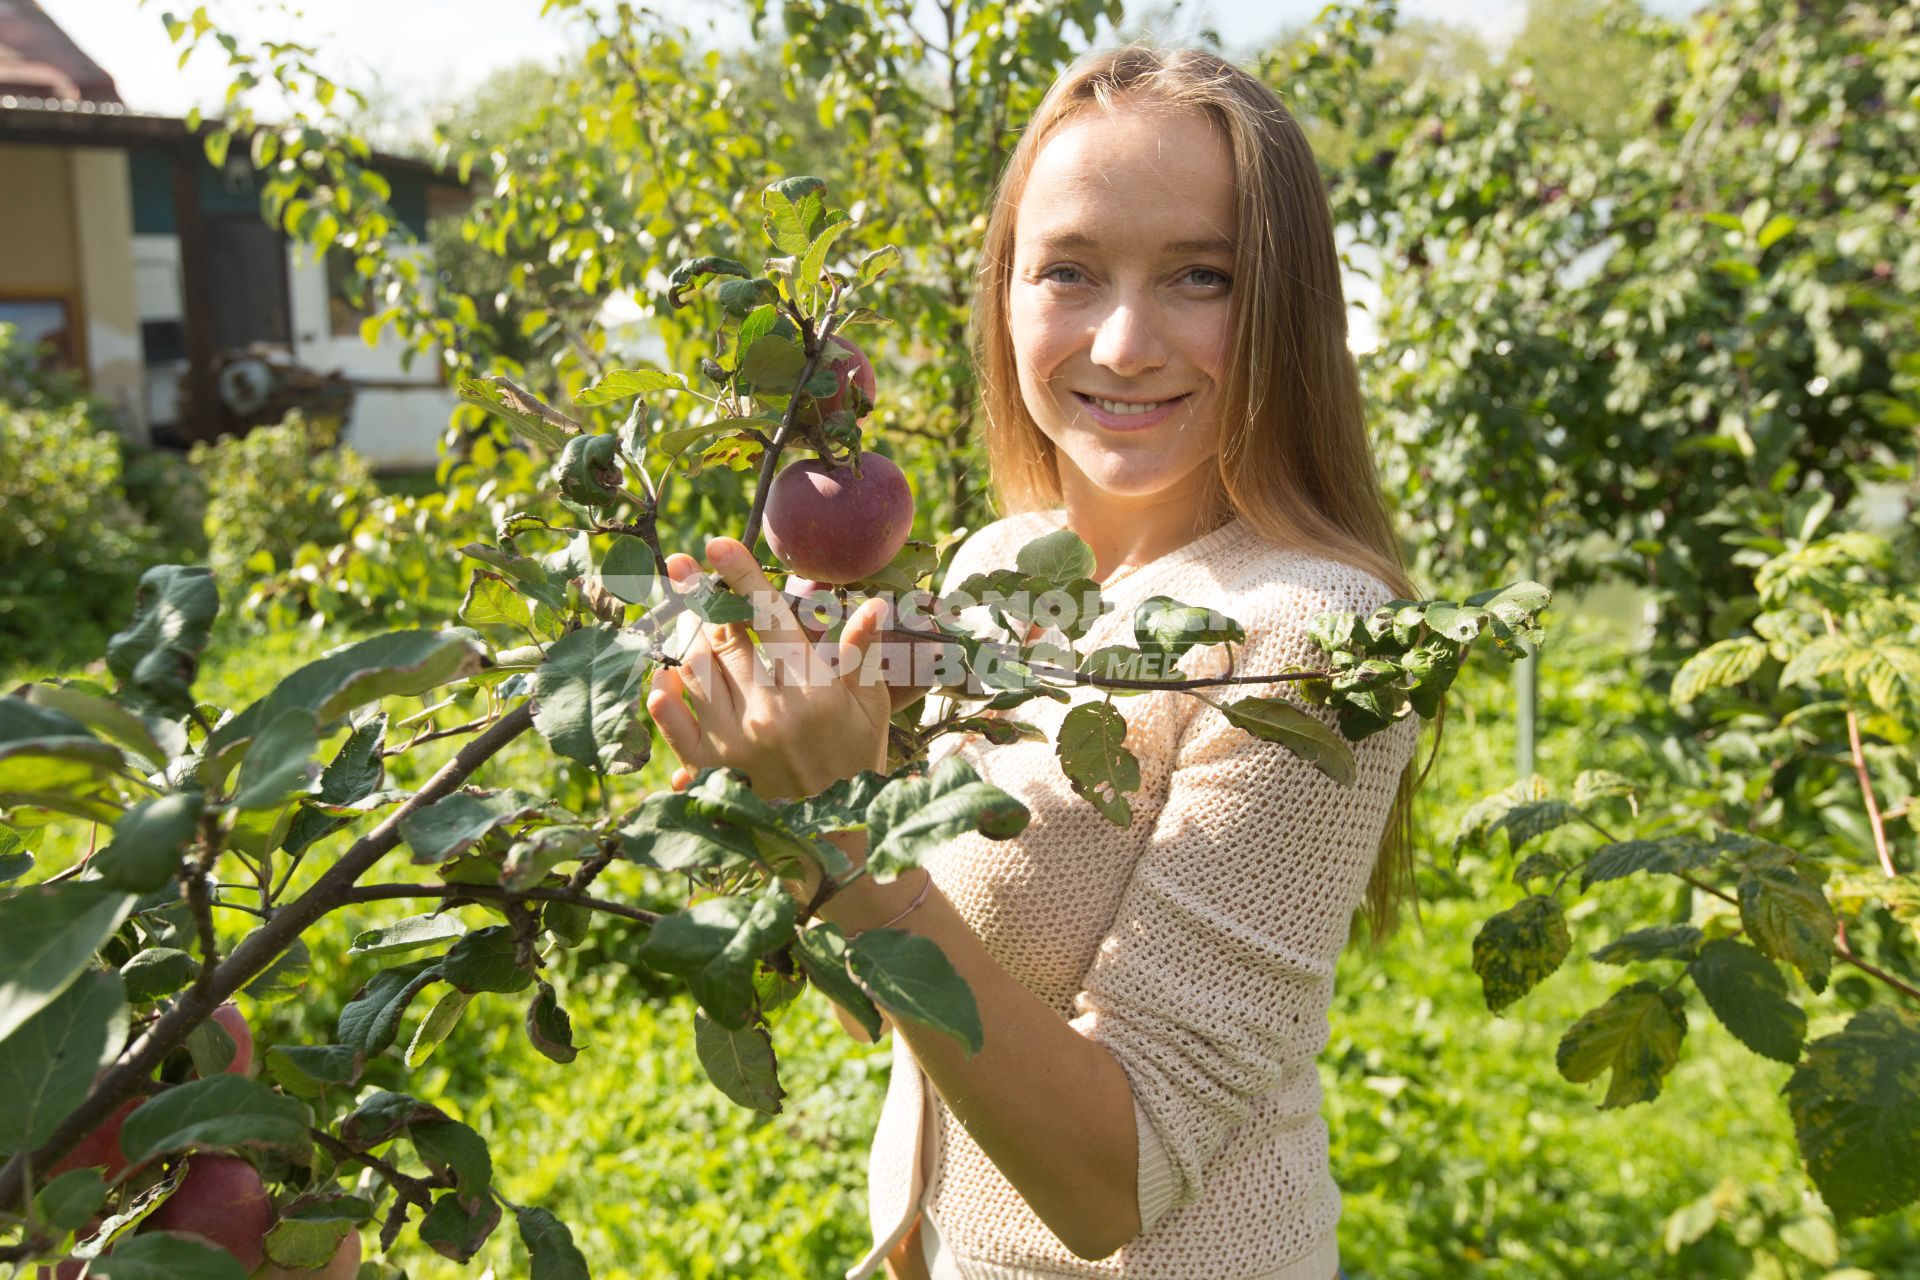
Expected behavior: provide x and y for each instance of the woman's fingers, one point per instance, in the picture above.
(857, 638)
(682, 778)
(677, 724)
(783, 641)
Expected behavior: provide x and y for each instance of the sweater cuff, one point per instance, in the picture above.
(1159, 1179)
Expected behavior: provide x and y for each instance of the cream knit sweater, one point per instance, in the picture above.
(1197, 945)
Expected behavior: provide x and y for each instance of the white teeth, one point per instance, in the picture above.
(1116, 407)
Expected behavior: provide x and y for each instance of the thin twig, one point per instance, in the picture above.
(496, 893)
(1860, 770)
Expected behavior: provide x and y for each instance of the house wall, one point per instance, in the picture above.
(40, 257)
(103, 225)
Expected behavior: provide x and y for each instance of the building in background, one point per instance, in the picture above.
(151, 272)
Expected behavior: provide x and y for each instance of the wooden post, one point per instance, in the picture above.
(200, 411)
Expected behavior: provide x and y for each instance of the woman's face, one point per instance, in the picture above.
(1123, 251)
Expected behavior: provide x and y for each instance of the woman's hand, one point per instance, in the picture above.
(795, 719)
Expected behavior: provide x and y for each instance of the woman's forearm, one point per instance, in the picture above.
(1052, 1109)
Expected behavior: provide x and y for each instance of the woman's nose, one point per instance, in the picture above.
(1128, 340)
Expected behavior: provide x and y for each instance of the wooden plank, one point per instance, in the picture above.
(201, 417)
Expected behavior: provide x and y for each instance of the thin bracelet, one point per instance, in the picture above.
(918, 898)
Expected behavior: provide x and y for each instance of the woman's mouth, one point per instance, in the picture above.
(1120, 415)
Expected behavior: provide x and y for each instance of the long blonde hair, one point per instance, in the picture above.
(1295, 461)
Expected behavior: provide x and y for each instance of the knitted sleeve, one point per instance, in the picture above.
(1216, 973)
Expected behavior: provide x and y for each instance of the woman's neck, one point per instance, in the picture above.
(1125, 535)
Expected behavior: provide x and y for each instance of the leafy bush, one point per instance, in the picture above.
(71, 544)
(275, 490)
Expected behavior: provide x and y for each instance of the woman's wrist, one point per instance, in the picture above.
(866, 904)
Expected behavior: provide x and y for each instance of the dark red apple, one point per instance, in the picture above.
(223, 1201)
(101, 1147)
(833, 525)
(234, 1024)
(344, 1265)
(857, 371)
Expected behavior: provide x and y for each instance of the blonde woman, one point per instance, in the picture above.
(1161, 338)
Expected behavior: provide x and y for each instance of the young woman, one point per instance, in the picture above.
(1161, 336)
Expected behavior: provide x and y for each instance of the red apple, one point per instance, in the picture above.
(101, 1147)
(833, 525)
(229, 1017)
(825, 607)
(344, 1265)
(857, 371)
(223, 1201)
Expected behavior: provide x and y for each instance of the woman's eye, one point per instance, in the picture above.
(1219, 278)
(1051, 273)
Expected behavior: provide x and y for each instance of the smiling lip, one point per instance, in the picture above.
(1131, 421)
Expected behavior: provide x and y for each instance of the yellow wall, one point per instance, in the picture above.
(39, 254)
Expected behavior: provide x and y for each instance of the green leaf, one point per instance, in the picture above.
(158, 654)
(456, 1227)
(306, 1236)
(1060, 557)
(771, 365)
(531, 419)
(1749, 997)
(71, 1198)
(814, 262)
(740, 1063)
(1636, 1035)
(286, 977)
(1525, 823)
(675, 832)
(48, 934)
(822, 953)
(910, 977)
(529, 860)
(411, 934)
(1162, 624)
(155, 739)
(1717, 666)
(1519, 948)
(47, 1065)
(306, 1070)
(384, 1115)
(1789, 919)
(162, 1255)
(1668, 855)
(691, 276)
(218, 1111)
(1599, 784)
(436, 1026)
(549, 1027)
(1537, 866)
(486, 960)
(1278, 720)
(1855, 1103)
(354, 773)
(372, 1018)
(550, 1247)
(450, 825)
(450, 1145)
(841, 807)
(586, 698)
(15, 861)
(713, 945)
(279, 762)
(491, 601)
(1661, 942)
(144, 854)
(588, 471)
(1091, 746)
(783, 223)
(396, 665)
(49, 759)
(878, 263)
(156, 972)
(625, 384)
(912, 816)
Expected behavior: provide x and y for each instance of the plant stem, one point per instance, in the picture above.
(495, 893)
(1860, 771)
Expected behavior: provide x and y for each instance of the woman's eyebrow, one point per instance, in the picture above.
(1074, 242)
